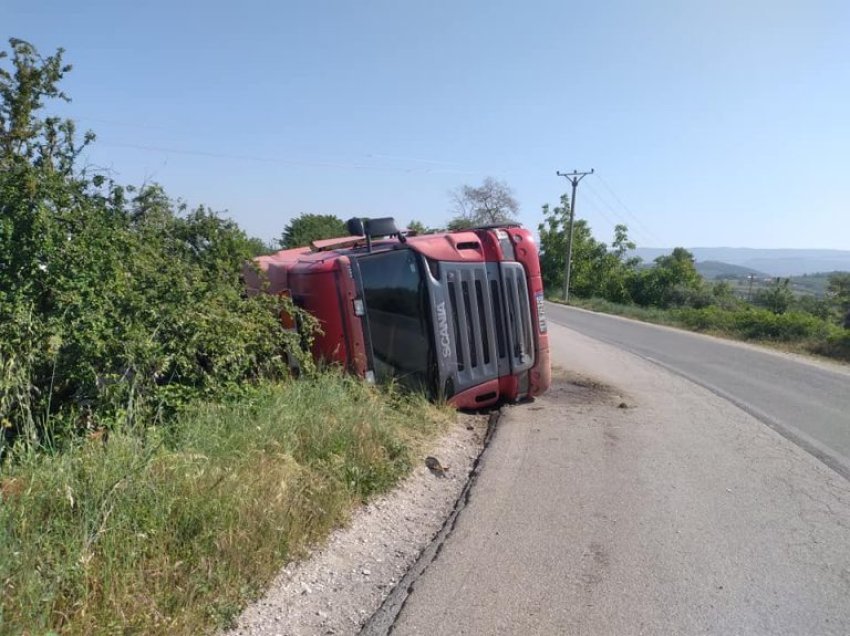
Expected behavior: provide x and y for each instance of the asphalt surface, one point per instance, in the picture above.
(806, 401)
(630, 500)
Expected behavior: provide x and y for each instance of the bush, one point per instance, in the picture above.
(820, 307)
(128, 310)
(807, 332)
(837, 345)
(755, 324)
(117, 306)
(706, 319)
(778, 297)
(787, 327)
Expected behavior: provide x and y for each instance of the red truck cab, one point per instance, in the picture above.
(456, 314)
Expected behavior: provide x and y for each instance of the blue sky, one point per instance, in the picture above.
(708, 123)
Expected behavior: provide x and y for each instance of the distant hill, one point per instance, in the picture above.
(772, 262)
(717, 269)
(812, 283)
(802, 285)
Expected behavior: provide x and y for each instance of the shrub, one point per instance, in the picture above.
(126, 311)
(836, 345)
(790, 326)
(778, 297)
(754, 324)
(705, 319)
(117, 306)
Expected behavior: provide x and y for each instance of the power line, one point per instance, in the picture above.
(281, 160)
(639, 234)
(606, 210)
(637, 227)
(440, 166)
(600, 206)
(626, 208)
(434, 166)
(574, 178)
(605, 200)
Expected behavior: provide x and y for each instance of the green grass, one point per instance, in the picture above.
(795, 331)
(173, 530)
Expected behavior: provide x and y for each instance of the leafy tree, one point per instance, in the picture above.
(460, 223)
(591, 263)
(419, 228)
(118, 305)
(306, 228)
(490, 203)
(621, 245)
(679, 268)
(257, 246)
(838, 292)
(724, 296)
(596, 271)
(25, 137)
(553, 243)
(778, 297)
(672, 281)
(621, 267)
(820, 307)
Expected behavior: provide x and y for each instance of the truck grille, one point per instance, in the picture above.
(473, 321)
(491, 320)
(518, 323)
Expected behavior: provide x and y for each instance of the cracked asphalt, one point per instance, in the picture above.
(630, 500)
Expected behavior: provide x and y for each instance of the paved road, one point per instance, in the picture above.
(807, 402)
(679, 514)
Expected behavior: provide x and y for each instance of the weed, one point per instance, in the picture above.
(171, 530)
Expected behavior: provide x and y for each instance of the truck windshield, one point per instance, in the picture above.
(398, 313)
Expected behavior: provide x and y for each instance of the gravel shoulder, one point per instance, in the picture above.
(335, 589)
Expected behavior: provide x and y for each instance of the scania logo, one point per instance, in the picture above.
(443, 329)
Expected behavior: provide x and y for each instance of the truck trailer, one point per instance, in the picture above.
(459, 315)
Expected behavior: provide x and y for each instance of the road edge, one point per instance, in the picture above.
(816, 449)
(381, 623)
(829, 364)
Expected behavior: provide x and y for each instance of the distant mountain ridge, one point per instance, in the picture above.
(774, 262)
(717, 269)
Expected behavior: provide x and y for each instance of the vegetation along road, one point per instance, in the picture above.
(631, 500)
(808, 402)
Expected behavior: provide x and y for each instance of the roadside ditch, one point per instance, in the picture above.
(360, 578)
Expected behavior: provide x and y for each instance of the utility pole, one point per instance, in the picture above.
(573, 177)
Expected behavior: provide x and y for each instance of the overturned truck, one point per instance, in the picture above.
(456, 314)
